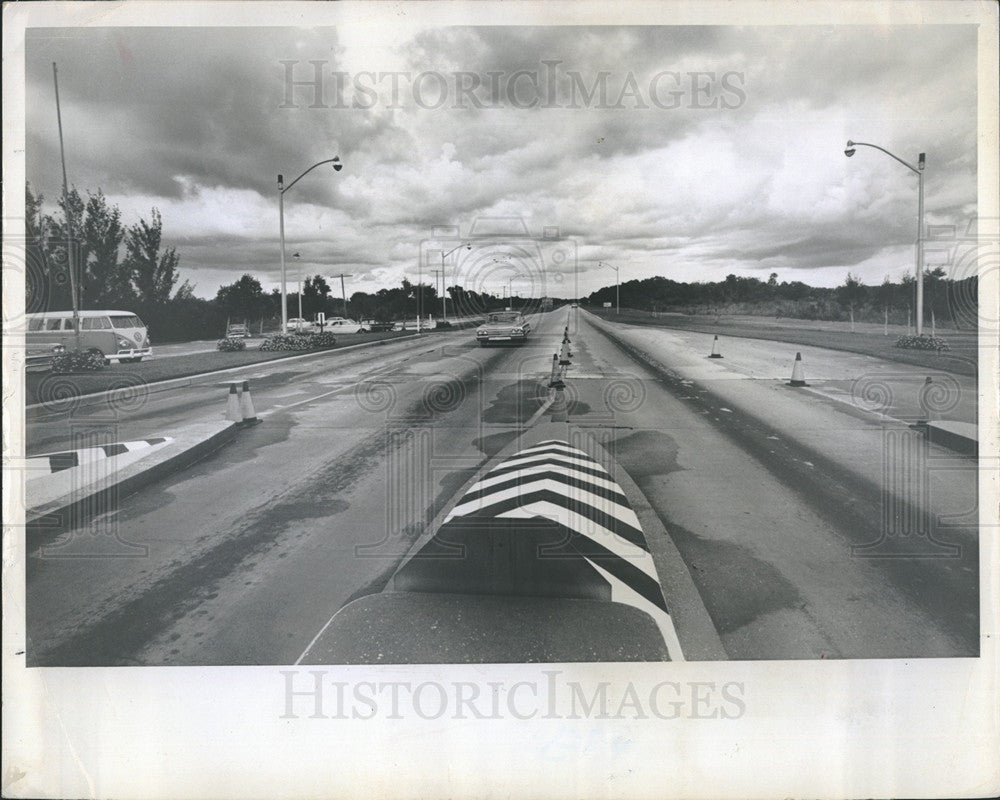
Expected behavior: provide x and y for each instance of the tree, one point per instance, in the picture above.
(242, 300)
(152, 275)
(315, 294)
(55, 239)
(105, 282)
(851, 292)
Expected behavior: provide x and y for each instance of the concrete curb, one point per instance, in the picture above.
(78, 505)
(697, 634)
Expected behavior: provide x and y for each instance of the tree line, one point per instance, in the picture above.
(114, 266)
(128, 268)
(948, 302)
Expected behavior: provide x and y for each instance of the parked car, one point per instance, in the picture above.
(116, 335)
(299, 325)
(238, 330)
(503, 326)
(375, 325)
(342, 325)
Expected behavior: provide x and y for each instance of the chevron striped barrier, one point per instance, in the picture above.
(542, 559)
(48, 463)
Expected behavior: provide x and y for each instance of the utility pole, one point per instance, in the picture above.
(343, 291)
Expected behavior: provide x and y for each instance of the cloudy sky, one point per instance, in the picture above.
(688, 152)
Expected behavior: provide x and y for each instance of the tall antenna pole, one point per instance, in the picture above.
(69, 220)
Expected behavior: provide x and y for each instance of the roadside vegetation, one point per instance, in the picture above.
(129, 268)
(948, 304)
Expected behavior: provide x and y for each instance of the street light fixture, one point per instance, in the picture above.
(618, 307)
(919, 169)
(281, 221)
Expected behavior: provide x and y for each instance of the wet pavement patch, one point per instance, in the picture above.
(516, 402)
(644, 454)
(735, 585)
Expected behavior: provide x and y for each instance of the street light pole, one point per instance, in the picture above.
(298, 264)
(281, 227)
(919, 170)
(618, 305)
(444, 288)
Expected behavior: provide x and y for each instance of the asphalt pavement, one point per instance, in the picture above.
(770, 499)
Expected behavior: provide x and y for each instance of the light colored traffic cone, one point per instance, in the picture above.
(554, 377)
(246, 406)
(925, 411)
(559, 408)
(233, 413)
(564, 353)
(715, 348)
(798, 374)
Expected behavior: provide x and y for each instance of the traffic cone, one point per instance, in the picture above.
(925, 412)
(564, 353)
(246, 406)
(715, 348)
(798, 375)
(554, 377)
(559, 408)
(233, 413)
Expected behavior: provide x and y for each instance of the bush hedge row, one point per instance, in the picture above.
(922, 343)
(309, 341)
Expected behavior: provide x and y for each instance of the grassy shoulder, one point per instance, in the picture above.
(961, 359)
(43, 387)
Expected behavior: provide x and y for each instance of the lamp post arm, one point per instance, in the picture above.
(445, 255)
(317, 164)
(891, 155)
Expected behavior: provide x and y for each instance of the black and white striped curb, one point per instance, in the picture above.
(48, 463)
(563, 484)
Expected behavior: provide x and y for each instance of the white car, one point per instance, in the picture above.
(342, 325)
(503, 326)
(299, 325)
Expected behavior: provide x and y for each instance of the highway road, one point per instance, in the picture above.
(808, 526)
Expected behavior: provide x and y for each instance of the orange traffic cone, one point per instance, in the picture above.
(715, 348)
(233, 413)
(246, 406)
(798, 374)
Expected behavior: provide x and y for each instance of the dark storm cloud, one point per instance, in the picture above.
(751, 172)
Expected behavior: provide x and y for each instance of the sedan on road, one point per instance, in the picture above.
(503, 326)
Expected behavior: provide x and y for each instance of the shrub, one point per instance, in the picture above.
(230, 345)
(922, 343)
(77, 361)
(308, 341)
(289, 342)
